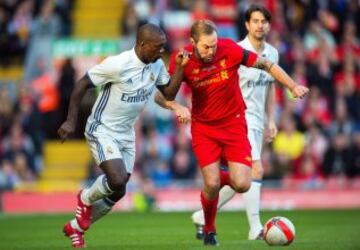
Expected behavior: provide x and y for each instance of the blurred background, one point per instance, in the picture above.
(46, 45)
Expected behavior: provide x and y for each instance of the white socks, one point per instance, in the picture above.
(99, 189)
(226, 193)
(252, 205)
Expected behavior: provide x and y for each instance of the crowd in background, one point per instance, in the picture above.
(319, 46)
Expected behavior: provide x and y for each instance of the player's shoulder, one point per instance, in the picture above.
(272, 50)
(124, 56)
(120, 59)
(245, 44)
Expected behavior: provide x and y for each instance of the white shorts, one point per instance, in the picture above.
(256, 141)
(105, 147)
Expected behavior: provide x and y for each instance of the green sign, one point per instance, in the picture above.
(80, 47)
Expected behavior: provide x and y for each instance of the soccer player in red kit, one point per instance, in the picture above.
(218, 126)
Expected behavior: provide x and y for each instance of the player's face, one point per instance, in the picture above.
(155, 49)
(258, 27)
(205, 48)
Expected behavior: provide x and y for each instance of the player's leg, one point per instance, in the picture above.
(87, 198)
(103, 206)
(114, 180)
(252, 197)
(226, 193)
(252, 202)
(109, 158)
(208, 150)
(240, 176)
(209, 200)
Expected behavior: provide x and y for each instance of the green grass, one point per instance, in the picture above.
(172, 231)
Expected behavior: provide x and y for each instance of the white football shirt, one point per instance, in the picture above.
(126, 85)
(254, 84)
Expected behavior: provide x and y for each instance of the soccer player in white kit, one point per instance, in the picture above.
(258, 91)
(127, 81)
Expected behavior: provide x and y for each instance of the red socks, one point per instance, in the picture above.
(210, 210)
(224, 178)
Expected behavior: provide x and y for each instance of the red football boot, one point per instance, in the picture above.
(76, 237)
(83, 213)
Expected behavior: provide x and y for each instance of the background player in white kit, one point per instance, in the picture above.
(127, 81)
(258, 91)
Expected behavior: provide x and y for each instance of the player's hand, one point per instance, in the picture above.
(271, 131)
(66, 130)
(299, 91)
(182, 113)
(182, 58)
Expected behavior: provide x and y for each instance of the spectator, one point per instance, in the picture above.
(44, 29)
(19, 143)
(224, 14)
(288, 144)
(355, 153)
(337, 159)
(341, 123)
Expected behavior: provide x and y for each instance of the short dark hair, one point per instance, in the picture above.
(203, 26)
(260, 8)
(148, 32)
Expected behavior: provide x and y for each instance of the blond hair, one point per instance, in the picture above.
(202, 27)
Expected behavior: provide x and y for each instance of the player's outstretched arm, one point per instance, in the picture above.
(170, 90)
(68, 127)
(271, 129)
(281, 76)
(182, 113)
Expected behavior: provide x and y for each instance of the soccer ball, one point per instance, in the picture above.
(279, 231)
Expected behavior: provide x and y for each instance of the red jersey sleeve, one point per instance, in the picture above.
(241, 55)
(249, 58)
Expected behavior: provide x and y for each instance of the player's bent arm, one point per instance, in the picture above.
(271, 129)
(182, 113)
(270, 102)
(68, 127)
(162, 102)
(281, 76)
(77, 95)
(170, 90)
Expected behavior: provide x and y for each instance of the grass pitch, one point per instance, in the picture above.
(334, 229)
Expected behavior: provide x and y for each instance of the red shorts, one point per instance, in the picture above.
(225, 141)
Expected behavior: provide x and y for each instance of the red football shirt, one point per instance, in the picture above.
(215, 86)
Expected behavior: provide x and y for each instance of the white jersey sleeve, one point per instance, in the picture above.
(106, 71)
(163, 77)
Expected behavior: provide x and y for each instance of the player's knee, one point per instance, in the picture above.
(117, 183)
(116, 196)
(212, 185)
(241, 186)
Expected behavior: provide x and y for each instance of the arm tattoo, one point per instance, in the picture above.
(262, 63)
